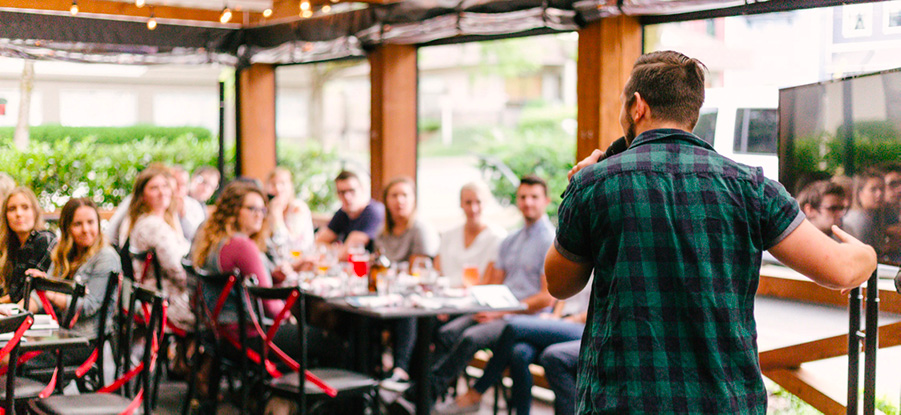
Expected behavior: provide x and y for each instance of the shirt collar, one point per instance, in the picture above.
(528, 228)
(669, 134)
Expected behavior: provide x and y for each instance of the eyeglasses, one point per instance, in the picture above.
(347, 192)
(253, 209)
(835, 209)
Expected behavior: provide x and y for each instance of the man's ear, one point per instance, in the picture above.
(639, 108)
(807, 208)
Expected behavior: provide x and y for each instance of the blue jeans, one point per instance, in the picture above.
(524, 338)
(560, 361)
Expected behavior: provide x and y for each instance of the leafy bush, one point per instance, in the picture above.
(53, 133)
(314, 169)
(544, 154)
(104, 172)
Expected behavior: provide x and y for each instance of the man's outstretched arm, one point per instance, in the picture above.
(827, 262)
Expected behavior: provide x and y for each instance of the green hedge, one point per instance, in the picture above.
(104, 172)
(53, 133)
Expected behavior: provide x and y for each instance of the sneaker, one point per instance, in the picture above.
(396, 383)
(401, 406)
(450, 408)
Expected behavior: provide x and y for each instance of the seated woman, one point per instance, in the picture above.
(24, 244)
(525, 340)
(82, 255)
(471, 247)
(235, 238)
(290, 218)
(153, 224)
(865, 220)
(404, 238)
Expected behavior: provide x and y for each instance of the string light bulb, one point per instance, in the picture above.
(226, 15)
(267, 12)
(74, 8)
(326, 8)
(304, 5)
(306, 14)
(139, 3)
(151, 23)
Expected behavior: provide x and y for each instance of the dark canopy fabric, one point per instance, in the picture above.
(341, 35)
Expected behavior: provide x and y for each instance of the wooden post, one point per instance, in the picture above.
(607, 50)
(256, 121)
(393, 134)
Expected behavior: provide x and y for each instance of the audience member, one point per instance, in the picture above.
(472, 245)
(359, 219)
(235, 238)
(865, 219)
(6, 185)
(191, 213)
(824, 203)
(560, 362)
(519, 266)
(204, 183)
(82, 255)
(152, 223)
(522, 343)
(404, 238)
(24, 244)
(892, 212)
(290, 218)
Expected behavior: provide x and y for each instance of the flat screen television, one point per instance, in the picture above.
(841, 129)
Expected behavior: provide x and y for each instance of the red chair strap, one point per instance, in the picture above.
(48, 390)
(220, 302)
(16, 337)
(88, 364)
(148, 261)
(135, 403)
(48, 308)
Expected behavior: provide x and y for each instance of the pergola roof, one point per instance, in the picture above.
(189, 31)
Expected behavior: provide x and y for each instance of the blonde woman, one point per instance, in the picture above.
(82, 255)
(290, 218)
(153, 224)
(24, 244)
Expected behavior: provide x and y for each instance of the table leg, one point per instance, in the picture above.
(422, 355)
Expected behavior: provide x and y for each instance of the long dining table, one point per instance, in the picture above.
(373, 309)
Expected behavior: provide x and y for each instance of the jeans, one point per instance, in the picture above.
(524, 338)
(403, 333)
(560, 362)
(457, 342)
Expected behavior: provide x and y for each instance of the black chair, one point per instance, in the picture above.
(40, 286)
(16, 325)
(90, 376)
(216, 341)
(149, 304)
(303, 384)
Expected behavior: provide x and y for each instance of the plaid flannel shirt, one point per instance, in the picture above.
(675, 233)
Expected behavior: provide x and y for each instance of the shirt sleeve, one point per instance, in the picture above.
(372, 219)
(572, 232)
(95, 278)
(242, 253)
(780, 214)
(338, 223)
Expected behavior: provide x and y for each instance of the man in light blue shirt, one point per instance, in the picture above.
(519, 266)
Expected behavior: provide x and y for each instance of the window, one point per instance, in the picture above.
(756, 130)
(706, 126)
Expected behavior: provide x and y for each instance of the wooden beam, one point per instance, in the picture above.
(607, 50)
(808, 388)
(811, 292)
(256, 147)
(393, 135)
(793, 356)
(118, 9)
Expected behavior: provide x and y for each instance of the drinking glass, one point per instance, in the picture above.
(470, 275)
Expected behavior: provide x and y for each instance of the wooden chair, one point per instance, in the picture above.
(216, 339)
(302, 384)
(151, 306)
(16, 325)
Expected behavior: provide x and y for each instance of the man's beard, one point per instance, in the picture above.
(630, 131)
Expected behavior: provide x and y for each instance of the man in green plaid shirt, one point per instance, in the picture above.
(674, 233)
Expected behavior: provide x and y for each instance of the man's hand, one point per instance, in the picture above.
(587, 161)
(487, 316)
(847, 238)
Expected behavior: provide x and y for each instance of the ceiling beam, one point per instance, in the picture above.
(116, 9)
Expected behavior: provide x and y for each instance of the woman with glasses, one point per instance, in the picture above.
(234, 237)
